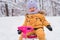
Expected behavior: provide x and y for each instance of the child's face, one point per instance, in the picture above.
(32, 9)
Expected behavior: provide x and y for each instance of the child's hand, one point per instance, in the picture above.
(49, 27)
(19, 32)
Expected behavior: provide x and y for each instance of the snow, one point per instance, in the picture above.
(8, 28)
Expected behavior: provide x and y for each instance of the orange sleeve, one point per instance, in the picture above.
(43, 19)
(25, 21)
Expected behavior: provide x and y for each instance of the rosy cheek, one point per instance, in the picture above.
(29, 10)
(34, 8)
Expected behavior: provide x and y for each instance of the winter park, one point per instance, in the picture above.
(12, 15)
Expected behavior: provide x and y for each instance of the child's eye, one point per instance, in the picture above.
(33, 7)
(30, 8)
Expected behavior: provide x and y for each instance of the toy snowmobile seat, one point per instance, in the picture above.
(32, 36)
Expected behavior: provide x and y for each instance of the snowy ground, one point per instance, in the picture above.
(8, 28)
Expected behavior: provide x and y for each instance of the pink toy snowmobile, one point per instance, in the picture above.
(25, 30)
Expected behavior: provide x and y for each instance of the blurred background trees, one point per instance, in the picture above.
(18, 7)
